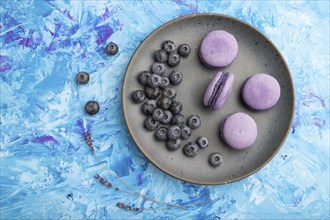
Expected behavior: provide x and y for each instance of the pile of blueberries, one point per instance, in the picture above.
(163, 111)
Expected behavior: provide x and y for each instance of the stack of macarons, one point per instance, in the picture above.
(259, 92)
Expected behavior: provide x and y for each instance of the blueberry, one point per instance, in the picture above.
(176, 107)
(190, 149)
(151, 124)
(174, 132)
(157, 114)
(184, 50)
(92, 107)
(177, 120)
(111, 49)
(164, 102)
(165, 82)
(149, 106)
(161, 56)
(194, 121)
(169, 46)
(175, 77)
(152, 93)
(215, 159)
(185, 132)
(138, 96)
(173, 59)
(158, 68)
(144, 77)
(173, 144)
(161, 134)
(202, 142)
(167, 117)
(82, 78)
(154, 80)
(169, 92)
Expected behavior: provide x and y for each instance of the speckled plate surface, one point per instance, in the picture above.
(256, 54)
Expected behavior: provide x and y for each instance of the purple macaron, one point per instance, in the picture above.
(218, 90)
(261, 91)
(239, 130)
(218, 49)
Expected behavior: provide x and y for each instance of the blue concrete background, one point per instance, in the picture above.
(47, 170)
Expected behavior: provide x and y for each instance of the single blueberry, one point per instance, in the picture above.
(138, 96)
(190, 149)
(157, 114)
(144, 77)
(174, 132)
(111, 48)
(185, 132)
(164, 102)
(82, 78)
(175, 77)
(176, 107)
(215, 159)
(152, 93)
(149, 106)
(202, 142)
(173, 59)
(184, 50)
(154, 80)
(161, 134)
(151, 124)
(178, 120)
(173, 144)
(158, 68)
(165, 82)
(169, 92)
(169, 46)
(194, 121)
(161, 56)
(167, 117)
(92, 107)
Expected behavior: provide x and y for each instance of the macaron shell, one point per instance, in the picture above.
(226, 91)
(239, 130)
(218, 48)
(261, 91)
(210, 87)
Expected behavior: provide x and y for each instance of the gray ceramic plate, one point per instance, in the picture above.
(256, 54)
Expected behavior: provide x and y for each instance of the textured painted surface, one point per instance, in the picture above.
(46, 168)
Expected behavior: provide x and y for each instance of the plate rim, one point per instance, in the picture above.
(230, 180)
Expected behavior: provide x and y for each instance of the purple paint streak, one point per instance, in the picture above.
(103, 32)
(139, 179)
(319, 122)
(5, 64)
(295, 124)
(319, 98)
(119, 24)
(67, 14)
(46, 138)
(106, 14)
(32, 41)
(192, 8)
(308, 99)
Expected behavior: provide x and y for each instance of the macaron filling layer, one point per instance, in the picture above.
(218, 89)
(221, 129)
